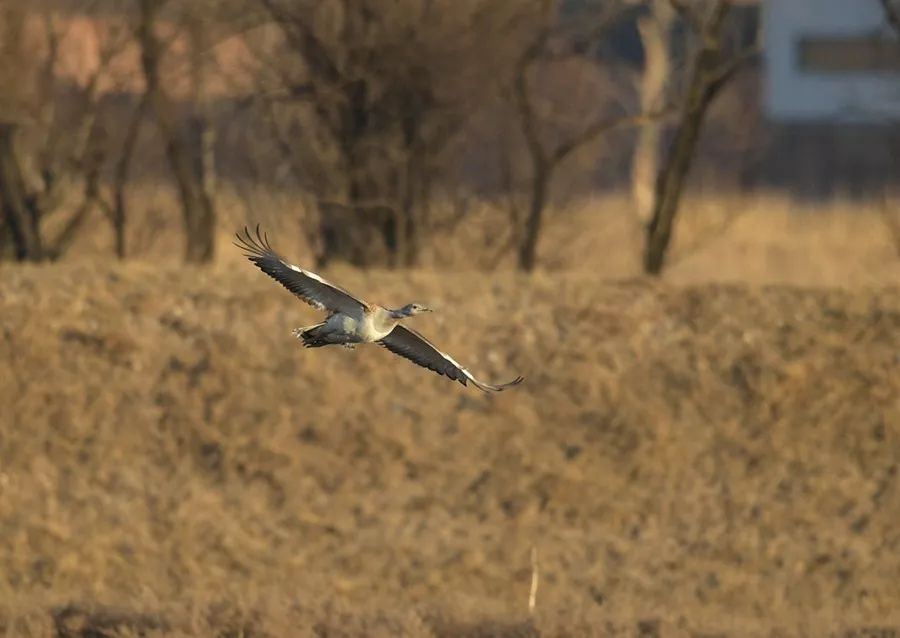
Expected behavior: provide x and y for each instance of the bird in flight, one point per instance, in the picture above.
(352, 321)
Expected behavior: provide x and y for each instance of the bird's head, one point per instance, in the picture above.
(411, 310)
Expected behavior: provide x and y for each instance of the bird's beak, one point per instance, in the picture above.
(425, 309)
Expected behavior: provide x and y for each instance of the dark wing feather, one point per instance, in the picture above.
(411, 345)
(308, 286)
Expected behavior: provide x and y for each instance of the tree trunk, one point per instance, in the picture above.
(655, 30)
(412, 196)
(528, 246)
(198, 208)
(19, 210)
(201, 142)
(362, 227)
(93, 164)
(702, 87)
(191, 162)
(120, 179)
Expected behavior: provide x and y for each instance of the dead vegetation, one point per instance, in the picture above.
(712, 456)
(703, 460)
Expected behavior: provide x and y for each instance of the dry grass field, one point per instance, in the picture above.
(712, 455)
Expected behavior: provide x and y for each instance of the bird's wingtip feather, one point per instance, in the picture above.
(254, 247)
(519, 379)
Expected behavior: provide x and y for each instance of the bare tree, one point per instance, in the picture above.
(712, 64)
(197, 203)
(551, 43)
(47, 150)
(365, 97)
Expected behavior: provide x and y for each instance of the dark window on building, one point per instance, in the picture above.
(848, 55)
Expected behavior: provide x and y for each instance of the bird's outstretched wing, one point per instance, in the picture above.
(413, 346)
(308, 286)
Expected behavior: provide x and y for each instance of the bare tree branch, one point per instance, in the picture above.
(526, 108)
(727, 70)
(689, 13)
(607, 125)
(892, 13)
(304, 39)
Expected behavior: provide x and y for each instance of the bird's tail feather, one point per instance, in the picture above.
(311, 336)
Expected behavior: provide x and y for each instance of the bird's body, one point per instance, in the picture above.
(372, 324)
(352, 321)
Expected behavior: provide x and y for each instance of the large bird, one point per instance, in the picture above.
(351, 321)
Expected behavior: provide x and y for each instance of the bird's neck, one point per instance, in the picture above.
(384, 318)
(397, 314)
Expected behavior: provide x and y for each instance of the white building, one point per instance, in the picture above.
(829, 61)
